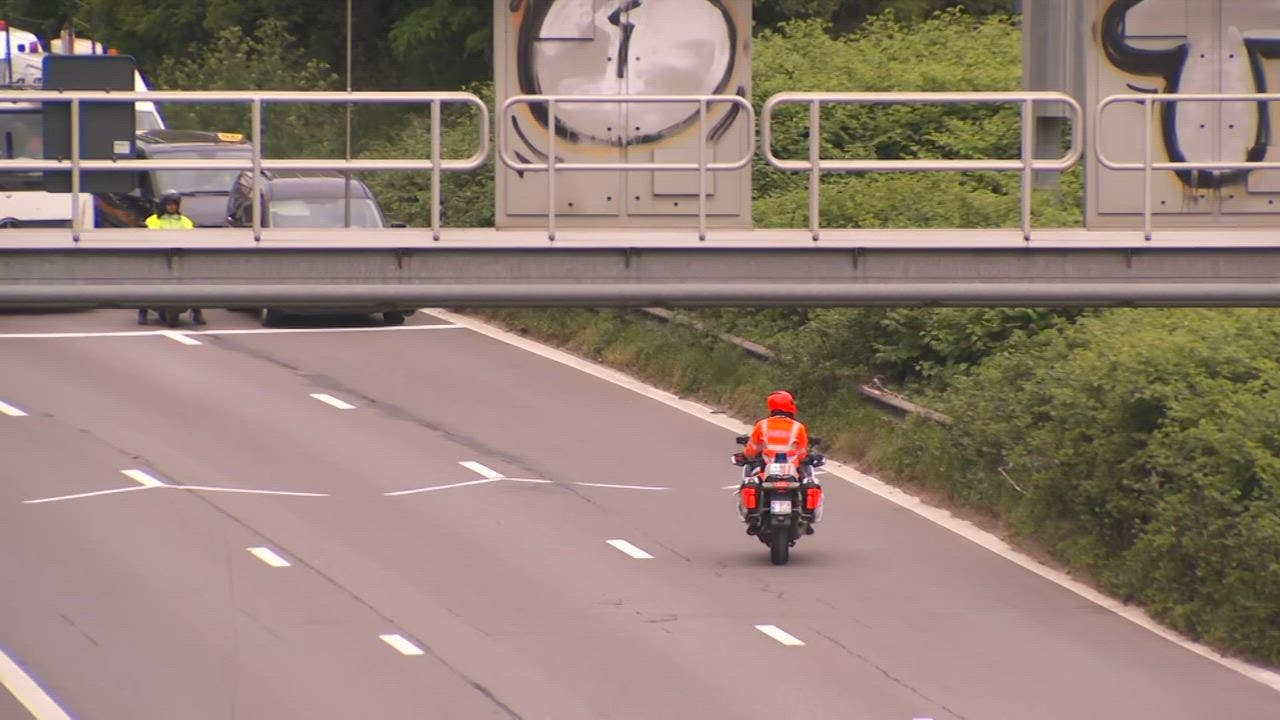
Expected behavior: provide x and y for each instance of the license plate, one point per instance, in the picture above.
(780, 507)
(778, 469)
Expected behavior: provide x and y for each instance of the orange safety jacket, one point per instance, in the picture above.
(779, 433)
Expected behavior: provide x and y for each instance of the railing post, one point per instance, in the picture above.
(75, 169)
(815, 173)
(702, 169)
(1028, 163)
(1148, 117)
(435, 168)
(551, 170)
(255, 122)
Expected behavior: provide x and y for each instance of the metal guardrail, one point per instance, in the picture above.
(552, 165)
(257, 164)
(815, 164)
(1149, 165)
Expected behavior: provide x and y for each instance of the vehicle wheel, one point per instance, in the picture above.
(171, 317)
(393, 318)
(270, 317)
(780, 547)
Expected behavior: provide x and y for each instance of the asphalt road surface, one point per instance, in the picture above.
(354, 522)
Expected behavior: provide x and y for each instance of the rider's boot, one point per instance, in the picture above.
(142, 316)
(197, 316)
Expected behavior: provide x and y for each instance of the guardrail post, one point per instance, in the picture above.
(1028, 163)
(1148, 116)
(255, 122)
(75, 169)
(551, 170)
(435, 168)
(702, 169)
(815, 172)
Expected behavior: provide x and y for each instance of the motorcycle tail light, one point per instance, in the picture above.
(750, 498)
(812, 498)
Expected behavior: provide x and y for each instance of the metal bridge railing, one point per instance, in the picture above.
(1149, 165)
(257, 164)
(815, 164)
(553, 165)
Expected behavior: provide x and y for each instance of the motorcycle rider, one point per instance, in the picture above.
(169, 217)
(780, 432)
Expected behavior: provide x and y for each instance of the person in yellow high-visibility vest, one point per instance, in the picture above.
(170, 217)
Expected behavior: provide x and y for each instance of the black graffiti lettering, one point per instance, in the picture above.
(627, 28)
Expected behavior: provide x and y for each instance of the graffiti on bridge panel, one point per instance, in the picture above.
(1227, 56)
(626, 47)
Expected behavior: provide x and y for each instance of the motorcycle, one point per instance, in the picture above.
(779, 499)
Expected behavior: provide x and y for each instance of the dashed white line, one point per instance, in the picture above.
(179, 337)
(142, 478)
(28, 691)
(268, 556)
(328, 399)
(481, 470)
(780, 635)
(450, 486)
(403, 646)
(630, 549)
(621, 487)
(10, 410)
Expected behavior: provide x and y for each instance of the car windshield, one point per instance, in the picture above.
(199, 181)
(21, 136)
(322, 213)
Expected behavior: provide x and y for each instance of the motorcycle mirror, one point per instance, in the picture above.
(741, 439)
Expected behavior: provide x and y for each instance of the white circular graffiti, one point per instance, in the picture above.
(626, 47)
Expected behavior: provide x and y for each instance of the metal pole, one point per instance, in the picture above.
(75, 169)
(815, 177)
(435, 168)
(346, 197)
(1148, 115)
(255, 121)
(551, 170)
(1028, 160)
(702, 169)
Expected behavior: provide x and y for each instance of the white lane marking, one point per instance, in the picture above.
(77, 496)
(433, 488)
(142, 478)
(780, 635)
(28, 691)
(530, 480)
(268, 556)
(179, 337)
(247, 331)
(620, 487)
(246, 491)
(328, 399)
(730, 487)
(401, 644)
(897, 496)
(630, 549)
(481, 470)
(10, 410)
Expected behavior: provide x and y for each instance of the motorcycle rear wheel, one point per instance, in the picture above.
(780, 547)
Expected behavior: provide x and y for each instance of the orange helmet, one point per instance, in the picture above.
(782, 401)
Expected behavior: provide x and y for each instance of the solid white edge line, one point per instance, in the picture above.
(403, 646)
(434, 488)
(328, 399)
(481, 470)
(179, 337)
(780, 635)
(142, 478)
(938, 516)
(620, 487)
(269, 556)
(11, 411)
(630, 549)
(28, 691)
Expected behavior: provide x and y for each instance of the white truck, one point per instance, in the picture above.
(23, 200)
